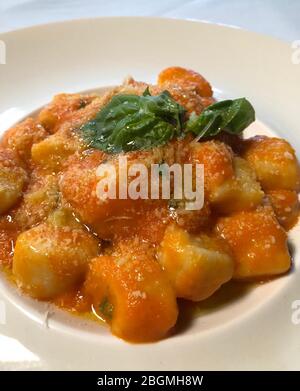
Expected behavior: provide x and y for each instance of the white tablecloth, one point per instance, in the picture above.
(280, 18)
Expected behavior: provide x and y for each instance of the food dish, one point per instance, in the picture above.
(238, 318)
(128, 260)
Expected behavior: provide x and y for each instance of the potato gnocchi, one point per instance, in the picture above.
(129, 261)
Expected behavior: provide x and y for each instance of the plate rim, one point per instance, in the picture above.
(174, 20)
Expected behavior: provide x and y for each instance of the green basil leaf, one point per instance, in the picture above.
(231, 116)
(146, 92)
(106, 308)
(132, 122)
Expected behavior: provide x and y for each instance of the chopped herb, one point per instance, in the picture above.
(132, 122)
(173, 204)
(231, 116)
(106, 308)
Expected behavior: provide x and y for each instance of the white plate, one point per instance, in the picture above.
(253, 330)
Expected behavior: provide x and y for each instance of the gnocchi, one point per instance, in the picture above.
(286, 206)
(182, 76)
(39, 200)
(134, 259)
(22, 137)
(258, 243)
(107, 216)
(130, 291)
(52, 258)
(274, 162)
(230, 182)
(196, 265)
(52, 152)
(62, 108)
(12, 180)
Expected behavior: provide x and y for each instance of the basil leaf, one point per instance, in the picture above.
(231, 116)
(132, 122)
(146, 92)
(106, 308)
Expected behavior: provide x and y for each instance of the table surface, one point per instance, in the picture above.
(279, 18)
(273, 17)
